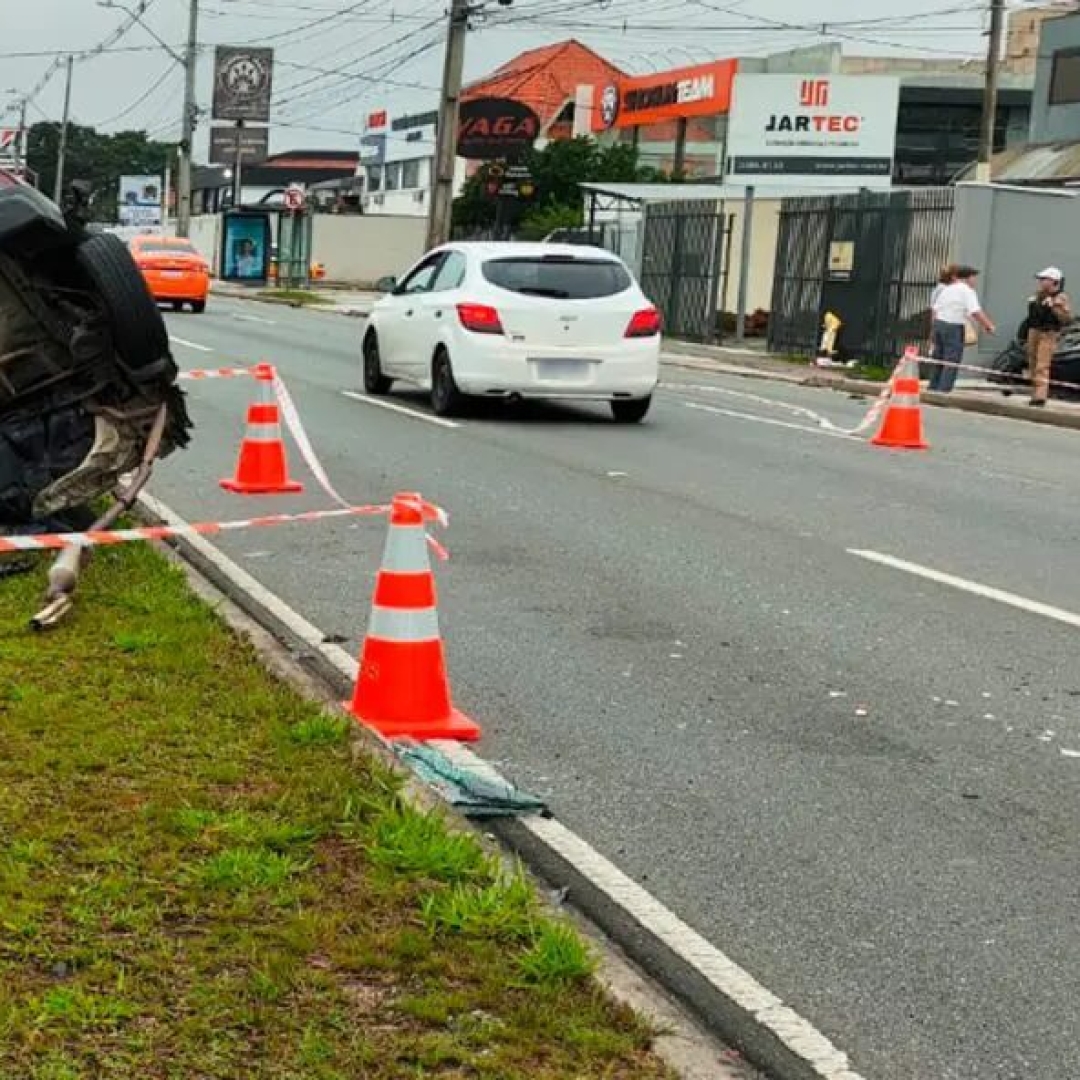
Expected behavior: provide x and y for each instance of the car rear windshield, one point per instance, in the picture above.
(560, 277)
(168, 249)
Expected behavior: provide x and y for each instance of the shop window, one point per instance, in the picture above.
(1065, 77)
(410, 175)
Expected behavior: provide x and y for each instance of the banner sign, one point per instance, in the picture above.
(140, 200)
(821, 131)
(254, 145)
(492, 128)
(701, 90)
(243, 83)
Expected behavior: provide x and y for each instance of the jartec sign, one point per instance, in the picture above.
(818, 131)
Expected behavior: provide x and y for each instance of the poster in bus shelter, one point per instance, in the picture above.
(246, 241)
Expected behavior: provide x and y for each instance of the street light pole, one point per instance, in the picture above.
(990, 88)
(61, 151)
(442, 196)
(187, 136)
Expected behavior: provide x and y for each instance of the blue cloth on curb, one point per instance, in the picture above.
(475, 795)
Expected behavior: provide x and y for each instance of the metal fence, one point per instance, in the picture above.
(872, 259)
(684, 259)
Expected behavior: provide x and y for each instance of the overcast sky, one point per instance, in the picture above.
(371, 54)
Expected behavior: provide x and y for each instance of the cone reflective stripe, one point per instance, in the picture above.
(261, 468)
(402, 689)
(902, 427)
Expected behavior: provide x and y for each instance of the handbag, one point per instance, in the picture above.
(971, 335)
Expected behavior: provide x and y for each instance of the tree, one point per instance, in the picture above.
(100, 158)
(558, 169)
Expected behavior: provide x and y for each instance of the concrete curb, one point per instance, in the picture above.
(321, 309)
(727, 1000)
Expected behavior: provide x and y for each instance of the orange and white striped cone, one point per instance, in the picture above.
(261, 468)
(902, 427)
(402, 689)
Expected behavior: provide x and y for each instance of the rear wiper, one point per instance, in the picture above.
(555, 294)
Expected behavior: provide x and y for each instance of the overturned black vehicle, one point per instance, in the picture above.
(88, 394)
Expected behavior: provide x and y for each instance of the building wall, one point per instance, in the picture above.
(1054, 123)
(1010, 234)
(355, 249)
(1022, 41)
(764, 232)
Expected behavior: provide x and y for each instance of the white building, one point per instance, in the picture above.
(397, 155)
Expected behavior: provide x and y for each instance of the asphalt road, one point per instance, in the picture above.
(859, 782)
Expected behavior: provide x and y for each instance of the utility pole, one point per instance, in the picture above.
(990, 89)
(23, 147)
(442, 196)
(61, 152)
(187, 136)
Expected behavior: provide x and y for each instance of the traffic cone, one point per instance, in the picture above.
(261, 468)
(402, 690)
(902, 427)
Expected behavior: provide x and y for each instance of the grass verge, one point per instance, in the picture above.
(199, 879)
(303, 297)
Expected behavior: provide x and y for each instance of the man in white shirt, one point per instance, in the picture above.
(956, 306)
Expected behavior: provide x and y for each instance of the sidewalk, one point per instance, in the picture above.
(969, 396)
(356, 303)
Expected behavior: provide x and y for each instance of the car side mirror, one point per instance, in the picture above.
(386, 284)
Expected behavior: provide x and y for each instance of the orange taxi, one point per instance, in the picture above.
(174, 270)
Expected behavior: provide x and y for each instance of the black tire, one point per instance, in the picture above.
(630, 411)
(446, 398)
(178, 305)
(198, 306)
(138, 328)
(375, 382)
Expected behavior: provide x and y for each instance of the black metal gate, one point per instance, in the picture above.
(684, 264)
(871, 259)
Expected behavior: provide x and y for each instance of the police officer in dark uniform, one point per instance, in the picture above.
(1048, 311)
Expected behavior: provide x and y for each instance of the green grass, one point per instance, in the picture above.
(304, 297)
(198, 877)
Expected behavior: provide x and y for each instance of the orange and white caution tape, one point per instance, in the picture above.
(53, 541)
(291, 415)
(199, 374)
(1011, 380)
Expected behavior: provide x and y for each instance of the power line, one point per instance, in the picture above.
(105, 45)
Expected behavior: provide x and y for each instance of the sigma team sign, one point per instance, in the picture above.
(243, 84)
(813, 130)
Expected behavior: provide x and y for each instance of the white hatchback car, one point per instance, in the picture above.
(516, 320)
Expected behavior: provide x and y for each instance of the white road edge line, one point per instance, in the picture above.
(987, 592)
(189, 344)
(797, 1038)
(252, 318)
(770, 421)
(394, 407)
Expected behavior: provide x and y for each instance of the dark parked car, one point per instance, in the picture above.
(1009, 369)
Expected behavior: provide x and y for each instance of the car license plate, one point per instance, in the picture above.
(172, 273)
(562, 368)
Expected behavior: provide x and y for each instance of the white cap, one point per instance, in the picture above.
(1051, 273)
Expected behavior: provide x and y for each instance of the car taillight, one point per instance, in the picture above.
(645, 323)
(479, 318)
